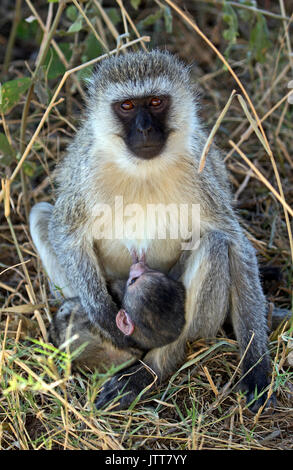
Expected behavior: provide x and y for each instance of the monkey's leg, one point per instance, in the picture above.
(222, 277)
(249, 319)
(39, 220)
(70, 320)
(219, 277)
(207, 281)
(71, 325)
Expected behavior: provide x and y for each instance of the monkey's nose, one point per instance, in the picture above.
(137, 270)
(143, 123)
(145, 131)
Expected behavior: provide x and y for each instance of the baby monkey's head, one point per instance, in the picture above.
(152, 308)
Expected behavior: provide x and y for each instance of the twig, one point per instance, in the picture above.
(249, 130)
(262, 178)
(24, 116)
(243, 185)
(107, 20)
(131, 23)
(254, 9)
(16, 20)
(213, 132)
(286, 28)
(98, 38)
(6, 189)
(120, 3)
(2, 351)
(285, 152)
(262, 100)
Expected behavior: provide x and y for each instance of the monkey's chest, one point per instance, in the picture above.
(116, 260)
(154, 229)
(154, 224)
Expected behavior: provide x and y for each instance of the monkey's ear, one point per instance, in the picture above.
(124, 322)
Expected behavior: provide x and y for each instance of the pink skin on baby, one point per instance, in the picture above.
(137, 270)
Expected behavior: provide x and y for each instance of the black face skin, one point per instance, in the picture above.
(144, 123)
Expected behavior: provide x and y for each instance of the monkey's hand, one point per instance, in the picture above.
(82, 272)
(124, 387)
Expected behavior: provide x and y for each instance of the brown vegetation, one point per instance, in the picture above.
(43, 404)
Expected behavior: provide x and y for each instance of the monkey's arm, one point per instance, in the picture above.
(179, 267)
(72, 266)
(116, 289)
(81, 267)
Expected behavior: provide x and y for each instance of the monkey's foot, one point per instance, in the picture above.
(124, 387)
(254, 403)
(256, 385)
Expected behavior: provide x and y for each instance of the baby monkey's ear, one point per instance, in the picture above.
(124, 322)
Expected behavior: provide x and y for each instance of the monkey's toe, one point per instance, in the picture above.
(255, 403)
(123, 388)
(112, 396)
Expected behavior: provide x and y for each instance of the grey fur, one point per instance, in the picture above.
(221, 277)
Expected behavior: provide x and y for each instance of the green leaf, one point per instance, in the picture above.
(168, 19)
(76, 26)
(259, 39)
(71, 13)
(230, 17)
(29, 168)
(27, 30)
(151, 19)
(5, 147)
(11, 92)
(135, 3)
(114, 16)
(53, 65)
(93, 48)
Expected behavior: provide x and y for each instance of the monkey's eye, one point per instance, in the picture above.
(127, 105)
(132, 281)
(155, 102)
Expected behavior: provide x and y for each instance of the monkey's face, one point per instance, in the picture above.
(142, 110)
(144, 124)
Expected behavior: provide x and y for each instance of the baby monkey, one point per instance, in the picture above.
(152, 305)
(151, 315)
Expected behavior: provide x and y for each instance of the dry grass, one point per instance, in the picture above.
(43, 403)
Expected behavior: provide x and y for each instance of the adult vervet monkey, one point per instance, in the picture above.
(142, 139)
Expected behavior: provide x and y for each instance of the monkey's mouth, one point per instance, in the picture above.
(146, 151)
